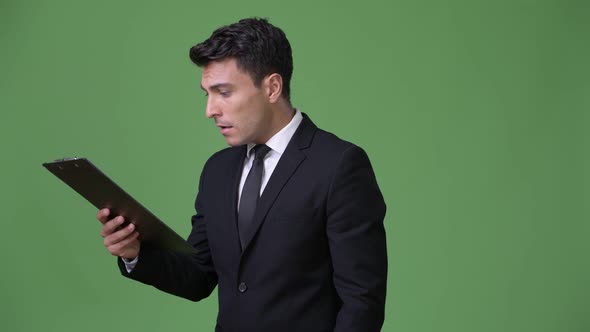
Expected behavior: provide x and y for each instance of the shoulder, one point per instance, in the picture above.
(224, 158)
(326, 139)
(331, 147)
(226, 153)
(320, 141)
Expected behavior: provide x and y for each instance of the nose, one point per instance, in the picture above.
(211, 110)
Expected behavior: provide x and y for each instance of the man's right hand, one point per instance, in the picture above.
(120, 242)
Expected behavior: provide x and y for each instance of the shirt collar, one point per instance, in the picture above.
(279, 141)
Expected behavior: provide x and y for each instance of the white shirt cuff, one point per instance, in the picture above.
(130, 263)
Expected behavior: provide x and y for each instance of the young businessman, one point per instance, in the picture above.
(289, 218)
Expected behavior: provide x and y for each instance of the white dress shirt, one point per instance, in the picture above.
(277, 144)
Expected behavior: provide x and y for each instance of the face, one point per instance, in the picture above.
(240, 109)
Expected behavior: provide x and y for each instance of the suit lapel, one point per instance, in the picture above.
(287, 165)
(232, 195)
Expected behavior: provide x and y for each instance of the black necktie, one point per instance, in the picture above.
(251, 191)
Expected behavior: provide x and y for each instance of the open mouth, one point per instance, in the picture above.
(225, 129)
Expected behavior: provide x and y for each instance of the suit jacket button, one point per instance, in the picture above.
(242, 287)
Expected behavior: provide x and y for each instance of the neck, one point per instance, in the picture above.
(282, 115)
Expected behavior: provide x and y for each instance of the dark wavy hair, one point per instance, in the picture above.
(260, 49)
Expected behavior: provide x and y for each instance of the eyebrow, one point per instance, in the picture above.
(217, 86)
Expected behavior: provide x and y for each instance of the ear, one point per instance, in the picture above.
(274, 87)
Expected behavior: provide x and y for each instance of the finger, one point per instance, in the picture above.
(126, 248)
(103, 215)
(111, 226)
(119, 235)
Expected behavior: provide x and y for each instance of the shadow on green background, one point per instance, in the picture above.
(474, 114)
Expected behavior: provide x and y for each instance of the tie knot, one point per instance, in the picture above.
(260, 151)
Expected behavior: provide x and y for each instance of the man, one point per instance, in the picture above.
(289, 222)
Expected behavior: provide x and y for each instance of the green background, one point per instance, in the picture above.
(474, 114)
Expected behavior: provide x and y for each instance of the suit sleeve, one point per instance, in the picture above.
(356, 236)
(189, 276)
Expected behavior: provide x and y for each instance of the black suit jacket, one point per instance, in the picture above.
(316, 259)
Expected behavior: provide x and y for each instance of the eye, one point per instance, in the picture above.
(225, 93)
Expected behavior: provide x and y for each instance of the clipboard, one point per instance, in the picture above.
(96, 187)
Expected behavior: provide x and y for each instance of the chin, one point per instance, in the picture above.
(232, 141)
